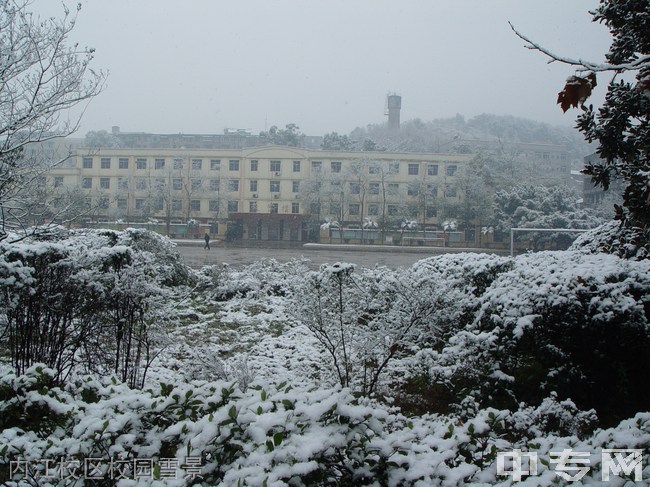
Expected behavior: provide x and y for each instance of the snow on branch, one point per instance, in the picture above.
(583, 65)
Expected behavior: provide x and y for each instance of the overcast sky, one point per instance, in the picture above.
(199, 66)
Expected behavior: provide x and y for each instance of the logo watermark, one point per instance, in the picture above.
(573, 465)
(111, 469)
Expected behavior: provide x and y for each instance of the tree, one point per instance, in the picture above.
(542, 207)
(290, 135)
(361, 320)
(101, 138)
(334, 141)
(622, 125)
(43, 77)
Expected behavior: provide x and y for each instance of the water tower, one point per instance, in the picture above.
(393, 106)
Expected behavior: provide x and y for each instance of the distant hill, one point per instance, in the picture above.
(442, 135)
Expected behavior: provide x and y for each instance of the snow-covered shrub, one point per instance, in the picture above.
(91, 296)
(361, 319)
(38, 303)
(615, 238)
(277, 435)
(453, 284)
(170, 267)
(266, 277)
(569, 322)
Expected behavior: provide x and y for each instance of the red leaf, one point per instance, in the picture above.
(576, 91)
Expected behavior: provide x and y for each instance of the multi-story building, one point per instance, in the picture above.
(266, 193)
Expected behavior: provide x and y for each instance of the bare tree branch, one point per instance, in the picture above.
(581, 64)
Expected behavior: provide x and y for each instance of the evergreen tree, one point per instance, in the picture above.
(621, 125)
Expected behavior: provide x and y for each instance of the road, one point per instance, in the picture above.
(196, 256)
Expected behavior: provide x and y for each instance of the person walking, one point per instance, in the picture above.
(207, 241)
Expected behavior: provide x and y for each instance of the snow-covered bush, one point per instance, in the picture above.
(170, 267)
(565, 322)
(453, 284)
(212, 434)
(38, 304)
(627, 242)
(89, 298)
(361, 319)
(266, 277)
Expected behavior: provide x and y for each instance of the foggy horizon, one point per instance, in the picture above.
(202, 67)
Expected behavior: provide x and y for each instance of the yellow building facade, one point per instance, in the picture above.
(271, 192)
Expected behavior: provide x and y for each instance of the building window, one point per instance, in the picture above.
(197, 164)
(139, 203)
(195, 184)
(121, 203)
(214, 205)
(275, 186)
(140, 184)
(450, 191)
(87, 162)
(123, 163)
(432, 212)
(141, 163)
(414, 169)
(432, 190)
(296, 166)
(336, 166)
(295, 186)
(214, 184)
(335, 209)
(373, 209)
(274, 207)
(393, 167)
(392, 210)
(104, 183)
(195, 205)
(233, 165)
(177, 184)
(253, 186)
(413, 190)
(373, 169)
(123, 183)
(355, 188)
(316, 166)
(252, 206)
(87, 183)
(178, 163)
(158, 204)
(354, 209)
(233, 206)
(177, 205)
(432, 170)
(451, 170)
(373, 188)
(105, 163)
(215, 164)
(254, 165)
(295, 207)
(393, 188)
(275, 166)
(314, 208)
(159, 164)
(233, 185)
